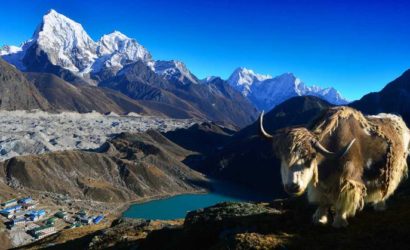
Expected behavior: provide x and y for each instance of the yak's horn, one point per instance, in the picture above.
(319, 147)
(261, 129)
(347, 148)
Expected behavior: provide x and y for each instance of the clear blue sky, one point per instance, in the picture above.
(355, 46)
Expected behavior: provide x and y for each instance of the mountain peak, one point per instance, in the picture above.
(118, 34)
(52, 20)
(59, 36)
(209, 79)
(246, 74)
(242, 79)
(121, 49)
(175, 70)
(52, 11)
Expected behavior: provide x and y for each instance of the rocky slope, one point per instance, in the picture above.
(16, 92)
(129, 167)
(280, 224)
(393, 98)
(64, 96)
(48, 92)
(215, 101)
(210, 135)
(37, 132)
(265, 91)
(175, 71)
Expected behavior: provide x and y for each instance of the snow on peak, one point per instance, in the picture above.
(175, 71)
(66, 42)
(117, 42)
(5, 50)
(242, 79)
(266, 92)
(209, 79)
(68, 45)
(14, 54)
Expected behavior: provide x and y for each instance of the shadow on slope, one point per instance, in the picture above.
(393, 98)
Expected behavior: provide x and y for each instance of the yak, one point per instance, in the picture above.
(343, 159)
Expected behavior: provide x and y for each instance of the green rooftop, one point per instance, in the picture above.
(60, 214)
(40, 228)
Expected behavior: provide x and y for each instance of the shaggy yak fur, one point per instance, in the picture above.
(344, 160)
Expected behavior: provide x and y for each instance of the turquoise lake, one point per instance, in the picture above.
(177, 206)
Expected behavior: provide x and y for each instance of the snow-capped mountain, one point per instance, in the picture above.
(175, 71)
(242, 79)
(7, 50)
(208, 79)
(15, 54)
(266, 92)
(116, 50)
(67, 44)
(62, 47)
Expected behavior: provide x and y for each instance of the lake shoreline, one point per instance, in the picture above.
(175, 205)
(124, 207)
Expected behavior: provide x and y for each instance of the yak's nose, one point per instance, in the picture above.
(293, 188)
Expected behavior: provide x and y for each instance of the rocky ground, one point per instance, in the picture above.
(24, 132)
(281, 224)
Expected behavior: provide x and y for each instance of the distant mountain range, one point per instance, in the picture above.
(265, 91)
(62, 47)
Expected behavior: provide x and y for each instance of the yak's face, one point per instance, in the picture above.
(297, 174)
(298, 160)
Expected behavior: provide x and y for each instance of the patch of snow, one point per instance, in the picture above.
(209, 79)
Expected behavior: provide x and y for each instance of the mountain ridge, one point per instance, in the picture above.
(266, 92)
(62, 47)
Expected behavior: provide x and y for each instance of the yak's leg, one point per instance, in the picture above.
(380, 206)
(340, 220)
(321, 215)
(316, 196)
(351, 199)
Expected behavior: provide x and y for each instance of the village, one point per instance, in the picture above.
(27, 220)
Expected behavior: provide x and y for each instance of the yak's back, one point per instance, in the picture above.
(388, 128)
(330, 120)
